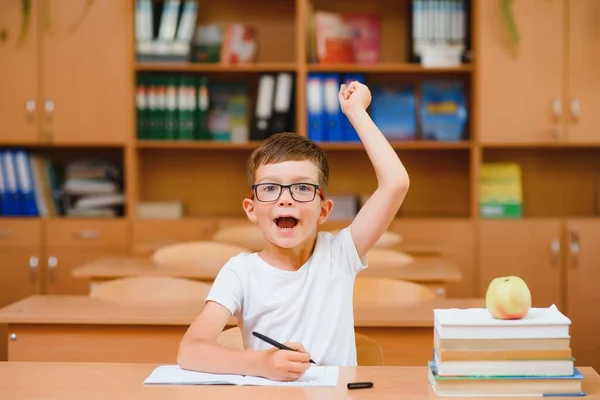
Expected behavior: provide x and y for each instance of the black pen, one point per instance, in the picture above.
(275, 343)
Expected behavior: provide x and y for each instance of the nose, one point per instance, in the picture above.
(286, 197)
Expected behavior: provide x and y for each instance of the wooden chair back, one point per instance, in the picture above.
(246, 235)
(368, 352)
(208, 256)
(389, 292)
(388, 239)
(382, 258)
(152, 291)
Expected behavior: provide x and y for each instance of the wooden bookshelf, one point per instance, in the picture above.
(534, 107)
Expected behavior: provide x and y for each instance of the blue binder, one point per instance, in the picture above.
(25, 183)
(11, 203)
(333, 112)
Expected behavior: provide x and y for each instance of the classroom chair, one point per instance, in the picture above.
(388, 240)
(245, 235)
(389, 292)
(382, 258)
(206, 255)
(152, 291)
(368, 352)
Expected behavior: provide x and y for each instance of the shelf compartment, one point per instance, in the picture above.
(173, 175)
(556, 182)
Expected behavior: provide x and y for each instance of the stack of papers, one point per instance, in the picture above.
(174, 375)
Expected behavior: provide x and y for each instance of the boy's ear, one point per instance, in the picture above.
(326, 207)
(248, 205)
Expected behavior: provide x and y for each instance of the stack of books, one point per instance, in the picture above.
(475, 355)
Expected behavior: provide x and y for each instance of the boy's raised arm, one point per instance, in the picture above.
(378, 212)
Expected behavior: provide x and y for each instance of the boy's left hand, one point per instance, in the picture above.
(354, 95)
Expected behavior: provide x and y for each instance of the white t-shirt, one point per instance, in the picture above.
(312, 305)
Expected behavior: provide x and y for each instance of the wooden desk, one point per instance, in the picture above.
(432, 272)
(80, 328)
(125, 381)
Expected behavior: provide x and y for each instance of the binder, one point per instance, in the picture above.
(3, 196)
(316, 121)
(331, 107)
(12, 203)
(202, 108)
(264, 107)
(282, 104)
(25, 184)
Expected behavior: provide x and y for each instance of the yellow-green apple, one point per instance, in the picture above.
(508, 297)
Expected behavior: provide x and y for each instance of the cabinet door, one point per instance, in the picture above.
(20, 252)
(519, 96)
(19, 107)
(87, 68)
(61, 262)
(529, 249)
(19, 274)
(583, 96)
(583, 296)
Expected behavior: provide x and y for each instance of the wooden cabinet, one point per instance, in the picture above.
(87, 81)
(558, 258)
(539, 93)
(69, 81)
(76, 242)
(530, 249)
(582, 237)
(583, 95)
(37, 256)
(19, 98)
(20, 253)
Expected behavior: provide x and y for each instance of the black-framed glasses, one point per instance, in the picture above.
(300, 192)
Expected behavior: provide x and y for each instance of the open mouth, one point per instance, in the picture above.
(286, 223)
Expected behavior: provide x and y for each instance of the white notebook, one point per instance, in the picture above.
(173, 375)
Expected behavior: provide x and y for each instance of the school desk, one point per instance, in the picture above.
(432, 272)
(81, 328)
(125, 381)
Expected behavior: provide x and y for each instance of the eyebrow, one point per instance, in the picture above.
(296, 179)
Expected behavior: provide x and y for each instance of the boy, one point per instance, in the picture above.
(299, 288)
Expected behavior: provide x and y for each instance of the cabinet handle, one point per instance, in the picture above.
(49, 106)
(557, 109)
(574, 247)
(49, 109)
(575, 110)
(52, 264)
(88, 234)
(555, 249)
(6, 233)
(557, 131)
(33, 265)
(30, 108)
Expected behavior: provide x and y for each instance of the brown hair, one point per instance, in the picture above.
(287, 146)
